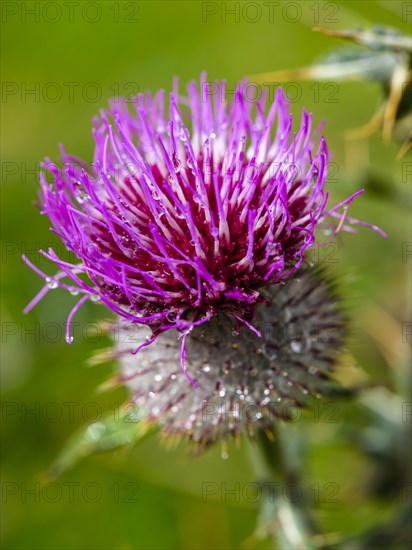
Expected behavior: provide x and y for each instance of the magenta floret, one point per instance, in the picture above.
(176, 221)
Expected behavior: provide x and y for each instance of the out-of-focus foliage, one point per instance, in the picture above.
(386, 61)
(354, 471)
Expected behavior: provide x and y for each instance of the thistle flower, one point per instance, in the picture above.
(184, 219)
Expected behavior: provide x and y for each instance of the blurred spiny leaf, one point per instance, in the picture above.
(387, 61)
(116, 429)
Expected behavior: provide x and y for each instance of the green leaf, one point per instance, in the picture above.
(118, 429)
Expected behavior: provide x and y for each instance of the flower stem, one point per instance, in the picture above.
(284, 513)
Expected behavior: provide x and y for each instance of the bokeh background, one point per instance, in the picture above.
(75, 57)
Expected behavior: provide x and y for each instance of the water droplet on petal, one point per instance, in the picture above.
(69, 339)
(296, 346)
(81, 197)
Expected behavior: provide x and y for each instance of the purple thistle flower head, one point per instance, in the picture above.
(187, 216)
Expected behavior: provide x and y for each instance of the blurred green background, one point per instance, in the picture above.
(75, 57)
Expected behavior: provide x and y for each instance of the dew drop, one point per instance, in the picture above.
(51, 283)
(74, 292)
(95, 298)
(82, 197)
(296, 346)
(69, 339)
(95, 431)
(271, 355)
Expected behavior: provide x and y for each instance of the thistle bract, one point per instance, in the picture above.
(246, 382)
(187, 216)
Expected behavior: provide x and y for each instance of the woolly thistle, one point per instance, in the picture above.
(189, 231)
